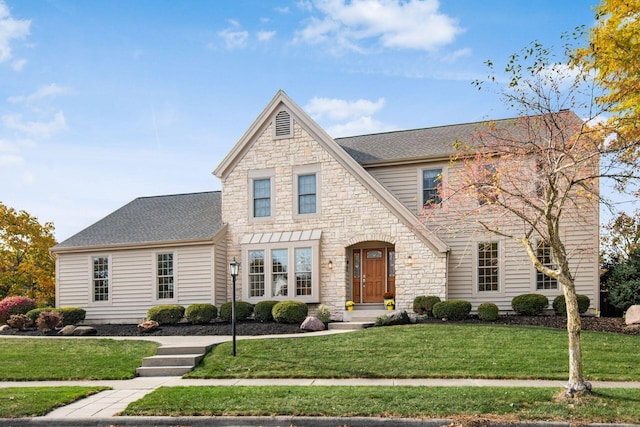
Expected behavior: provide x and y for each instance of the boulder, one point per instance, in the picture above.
(312, 324)
(5, 327)
(633, 315)
(399, 318)
(85, 330)
(67, 330)
(148, 326)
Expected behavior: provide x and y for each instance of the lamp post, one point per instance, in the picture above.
(234, 266)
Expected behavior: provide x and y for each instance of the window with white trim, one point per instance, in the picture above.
(100, 278)
(164, 276)
(307, 194)
(543, 252)
(488, 268)
(256, 274)
(261, 194)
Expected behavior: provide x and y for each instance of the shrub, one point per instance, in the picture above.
(19, 321)
(323, 313)
(48, 321)
(15, 305)
(244, 310)
(530, 304)
(623, 283)
(35, 313)
(291, 312)
(488, 311)
(201, 313)
(560, 307)
(71, 315)
(424, 304)
(455, 309)
(262, 311)
(166, 314)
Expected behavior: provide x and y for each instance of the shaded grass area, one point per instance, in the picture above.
(27, 359)
(427, 351)
(18, 402)
(608, 406)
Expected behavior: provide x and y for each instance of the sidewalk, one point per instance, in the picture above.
(102, 408)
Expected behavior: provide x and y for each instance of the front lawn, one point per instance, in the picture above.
(18, 402)
(32, 359)
(427, 351)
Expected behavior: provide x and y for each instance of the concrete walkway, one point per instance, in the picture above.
(101, 407)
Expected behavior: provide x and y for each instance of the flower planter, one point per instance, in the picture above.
(350, 308)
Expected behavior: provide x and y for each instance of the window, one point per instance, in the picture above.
(543, 251)
(306, 194)
(303, 271)
(279, 269)
(488, 267)
(164, 276)
(262, 197)
(100, 278)
(391, 266)
(256, 274)
(431, 180)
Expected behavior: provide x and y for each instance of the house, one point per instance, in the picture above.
(310, 218)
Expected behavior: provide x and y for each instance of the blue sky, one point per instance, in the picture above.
(104, 101)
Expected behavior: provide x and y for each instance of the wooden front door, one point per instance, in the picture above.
(373, 275)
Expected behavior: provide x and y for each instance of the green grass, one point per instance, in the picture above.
(607, 406)
(18, 402)
(28, 359)
(427, 351)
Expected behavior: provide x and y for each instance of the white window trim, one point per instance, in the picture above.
(254, 175)
(501, 268)
(110, 276)
(420, 197)
(314, 169)
(268, 269)
(155, 278)
(534, 282)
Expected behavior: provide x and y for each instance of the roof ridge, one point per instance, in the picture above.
(178, 194)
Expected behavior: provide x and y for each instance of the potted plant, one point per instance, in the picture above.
(390, 304)
(388, 295)
(350, 305)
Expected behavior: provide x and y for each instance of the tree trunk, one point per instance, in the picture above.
(576, 380)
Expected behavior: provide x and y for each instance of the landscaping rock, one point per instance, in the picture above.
(401, 318)
(4, 328)
(148, 326)
(85, 330)
(633, 315)
(312, 324)
(67, 330)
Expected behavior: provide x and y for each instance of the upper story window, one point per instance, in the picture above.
(100, 278)
(164, 276)
(543, 251)
(486, 187)
(431, 180)
(262, 197)
(283, 126)
(306, 194)
(488, 267)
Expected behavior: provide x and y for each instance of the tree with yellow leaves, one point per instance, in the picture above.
(26, 266)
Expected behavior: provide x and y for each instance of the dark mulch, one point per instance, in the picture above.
(251, 327)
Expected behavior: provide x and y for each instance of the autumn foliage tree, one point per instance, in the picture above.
(26, 266)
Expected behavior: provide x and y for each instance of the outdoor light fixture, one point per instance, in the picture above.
(234, 267)
(330, 265)
(409, 260)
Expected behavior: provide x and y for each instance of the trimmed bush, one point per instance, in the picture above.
(71, 315)
(455, 309)
(15, 305)
(197, 314)
(291, 312)
(48, 321)
(166, 314)
(323, 313)
(262, 311)
(244, 310)
(19, 321)
(424, 304)
(560, 306)
(488, 311)
(530, 304)
(35, 313)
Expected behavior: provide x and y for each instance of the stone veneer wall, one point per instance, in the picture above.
(350, 213)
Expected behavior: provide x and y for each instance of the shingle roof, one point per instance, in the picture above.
(177, 217)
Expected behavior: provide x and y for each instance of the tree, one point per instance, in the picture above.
(621, 238)
(623, 282)
(26, 266)
(530, 179)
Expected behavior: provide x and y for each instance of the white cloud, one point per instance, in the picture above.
(10, 29)
(359, 126)
(460, 53)
(43, 92)
(7, 160)
(18, 64)
(264, 36)
(408, 24)
(34, 128)
(234, 39)
(347, 117)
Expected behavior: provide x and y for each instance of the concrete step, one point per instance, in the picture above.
(177, 349)
(172, 360)
(348, 326)
(163, 371)
(369, 315)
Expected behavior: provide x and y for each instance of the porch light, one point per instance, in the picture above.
(234, 267)
(330, 265)
(409, 260)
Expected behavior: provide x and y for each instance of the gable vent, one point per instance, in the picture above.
(283, 124)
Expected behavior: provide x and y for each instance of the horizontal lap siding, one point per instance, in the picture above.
(402, 182)
(194, 275)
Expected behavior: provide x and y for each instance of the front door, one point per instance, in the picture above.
(373, 275)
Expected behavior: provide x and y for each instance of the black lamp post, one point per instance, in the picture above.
(234, 266)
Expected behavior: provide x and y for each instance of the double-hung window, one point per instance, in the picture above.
(100, 278)
(261, 194)
(543, 252)
(488, 267)
(431, 180)
(164, 276)
(307, 194)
